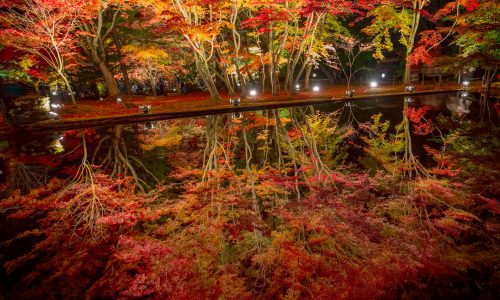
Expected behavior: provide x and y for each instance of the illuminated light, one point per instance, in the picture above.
(55, 105)
(118, 100)
(145, 109)
(408, 99)
(238, 84)
(314, 75)
(297, 86)
(253, 93)
(466, 83)
(373, 84)
(61, 137)
(383, 75)
(100, 99)
(54, 93)
(410, 88)
(235, 101)
(316, 88)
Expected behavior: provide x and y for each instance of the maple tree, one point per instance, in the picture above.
(149, 64)
(350, 48)
(285, 34)
(286, 202)
(28, 67)
(270, 21)
(199, 23)
(405, 18)
(45, 29)
(97, 25)
(478, 38)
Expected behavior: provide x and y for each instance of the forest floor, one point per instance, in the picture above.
(89, 113)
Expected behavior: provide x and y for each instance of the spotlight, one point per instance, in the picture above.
(253, 93)
(316, 88)
(383, 75)
(314, 75)
(373, 84)
(297, 86)
(410, 88)
(235, 101)
(145, 109)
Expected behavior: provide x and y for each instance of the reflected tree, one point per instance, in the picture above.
(119, 160)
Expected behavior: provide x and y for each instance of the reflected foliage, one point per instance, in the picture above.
(285, 203)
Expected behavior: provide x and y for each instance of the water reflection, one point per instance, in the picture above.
(298, 142)
(253, 198)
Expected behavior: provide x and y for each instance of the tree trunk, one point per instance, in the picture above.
(275, 83)
(206, 76)
(266, 78)
(411, 40)
(109, 79)
(243, 84)
(489, 75)
(229, 83)
(307, 80)
(123, 68)
(407, 72)
(68, 86)
(153, 88)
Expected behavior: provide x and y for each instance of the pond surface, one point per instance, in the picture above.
(342, 114)
(388, 197)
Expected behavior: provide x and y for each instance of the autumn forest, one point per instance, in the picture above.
(230, 149)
